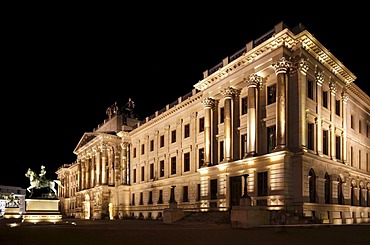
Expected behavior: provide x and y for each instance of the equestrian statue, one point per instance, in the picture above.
(40, 181)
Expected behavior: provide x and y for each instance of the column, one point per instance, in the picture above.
(208, 107)
(281, 68)
(319, 81)
(253, 82)
(228, 95)
(333, 90)
(98, 165)
(124, 163)
(344, 125)
(104, 164)
(117, 167)
(302, 89)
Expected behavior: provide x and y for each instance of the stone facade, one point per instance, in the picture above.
(283, 110)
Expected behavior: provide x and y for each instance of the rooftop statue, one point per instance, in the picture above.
(11, 201)
(40, 181)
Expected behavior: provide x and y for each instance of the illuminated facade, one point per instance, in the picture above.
(283, 110)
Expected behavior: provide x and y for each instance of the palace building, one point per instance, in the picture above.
(281, 119)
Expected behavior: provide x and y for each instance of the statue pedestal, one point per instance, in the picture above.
(14, 213)
(42, 211)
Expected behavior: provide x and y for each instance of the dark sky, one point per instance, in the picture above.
(64, 68)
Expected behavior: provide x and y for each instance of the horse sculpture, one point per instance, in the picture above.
(36, 182)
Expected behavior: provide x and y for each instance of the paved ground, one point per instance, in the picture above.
(132, 232)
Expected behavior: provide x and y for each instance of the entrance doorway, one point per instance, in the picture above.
(235, 190)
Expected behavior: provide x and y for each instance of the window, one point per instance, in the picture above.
(214, 189)
(142, 149)
(352, 122)
(161, 141)
(360, 126)
(222, 115)
(160, 197)
(327, 189)
(221, 151)
(186, 130)
(271, 94)
(325, 142)
(201, 157)
(133, 199)
(151, 171)
(198, 192)
(310, 136)
(151, 145)
(312, 186)
(185, 194)
(243, 145)
(173, 136)
(271, 139)
(244, 105)
(201, 124)
(310, 89)
(337, 107)
(325, 99)
(161, 168)
(187, 162)
(141, 199)
(337, 147)
(150, 198)
(134, 152)
(142, 173)
(173, 165)
(262, 184)
(134, 177)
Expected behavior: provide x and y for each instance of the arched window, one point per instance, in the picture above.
(327, 189)
(353, 194)
(340, 191)
(312, 186)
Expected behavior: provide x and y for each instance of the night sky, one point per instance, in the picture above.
(64, 68)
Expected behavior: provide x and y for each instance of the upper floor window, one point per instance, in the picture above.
(201, 124)
(222, 115)
(310, 89)
(186, 130)
(151, 145)
(173, 165)
(325, 99)
(337, 107)
(244, 105)
(134, 152)
(142, 149)
(161, 141)
(173, 136)
(201, 157)
(271, 94)
(187, 162)
(310, 136)
(161, 168)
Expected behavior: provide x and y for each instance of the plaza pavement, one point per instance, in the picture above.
(132, 232)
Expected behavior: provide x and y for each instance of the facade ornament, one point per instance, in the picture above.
(282, 65)
(319, 77)
(228, 92)
(303, 66)
(208, 102)
(332, 86)
(254, 80)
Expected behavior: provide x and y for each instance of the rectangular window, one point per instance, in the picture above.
(337, 147)
(187, 162)
(141, 199)
(325, 99)
(243, 145)
(134, 152)
(133, 199)
(222, 115)
(185, 194)
(161, 168)
(262, 184)
(337, 107)
(201, 157)
(198, 192)
(161, 141)
(214, 189)
(142, 149)
(271, 139)
(187, 130)
(142, 173)
(352, 122)
(151, 145)
(201, 124)
(150, 198)
(244, 106)
(325, 142)
(151, 171)
(221, 151)
(310, 136)
(310, 89)
(359, 160)
(271, 94)
(173, 165)
(360, 127)
(160, 197)
(134, 177)
(173, 136)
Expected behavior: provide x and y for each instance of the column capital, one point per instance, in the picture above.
(303, 66)
(282, 65)
(228, 92)
(319, 77)
(254, 80)
(208, 102)
(333, 87)
(344, 96)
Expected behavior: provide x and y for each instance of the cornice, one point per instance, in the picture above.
(284, 38)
